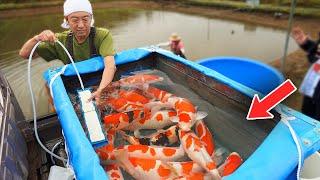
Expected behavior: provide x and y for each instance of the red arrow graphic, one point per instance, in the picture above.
(259, 109)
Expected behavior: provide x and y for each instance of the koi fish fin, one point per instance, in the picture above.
(136, 133)
(144, 71)
(218, 155)
(122, 157)
(175, 119)
(172, 169)
(201, 115)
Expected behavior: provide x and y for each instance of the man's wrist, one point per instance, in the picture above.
(36, 38)
(99, 89)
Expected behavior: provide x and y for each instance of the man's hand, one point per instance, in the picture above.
(299, 36)
(97, 97)
(46, 36)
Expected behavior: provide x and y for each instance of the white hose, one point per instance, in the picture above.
(73, 64)
(32, 96)
(285, 119)
(52, 150)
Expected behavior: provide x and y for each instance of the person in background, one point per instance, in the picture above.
(82, 40)
(176, 45)
(310, 86)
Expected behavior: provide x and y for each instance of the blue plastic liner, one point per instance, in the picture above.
(275, 158)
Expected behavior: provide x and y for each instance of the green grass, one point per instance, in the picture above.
(304, 8)
(300, 3)
(267, 8)
(7, 6)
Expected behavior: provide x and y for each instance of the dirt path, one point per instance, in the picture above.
(296, 63)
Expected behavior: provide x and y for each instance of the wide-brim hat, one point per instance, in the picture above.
(174, 37)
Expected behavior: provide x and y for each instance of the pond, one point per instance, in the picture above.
(203, 37)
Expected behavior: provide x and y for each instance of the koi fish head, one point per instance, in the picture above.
(134, 96)
(187, 120)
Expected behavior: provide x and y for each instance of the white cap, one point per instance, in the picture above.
(71, 6)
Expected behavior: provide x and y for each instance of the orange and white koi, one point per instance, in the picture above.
(157, 120)
(123, 119)
(197, 152)
(186, 168)
(160, 138)
(134, 96)
(104, 152)
(114, 172)
(121, 104)
(231, 164)
(140, 119)
(142, 168)
(186, 111)
(144, 151)
(138, 79)
(155, 152)
(205, 136)
(195, 176)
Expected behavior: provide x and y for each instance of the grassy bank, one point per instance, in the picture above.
(307, 8)
(38, 4)
(9, 6)
(266, 8)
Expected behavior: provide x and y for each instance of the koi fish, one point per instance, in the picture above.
(160, 138)
(186, 168)
(197, 152)
(123, 119)
(155, 152)
(142, 151)
(134, 96)
(231, 164)
(121, 104)
(139, 79)
(186, 111)
(195, 176)
(158, 120)
(140, 119)
(114, 172)
(205, 136)
(142, 168)
(104, 152)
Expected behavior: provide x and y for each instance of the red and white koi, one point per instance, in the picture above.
(157, 120)
(140, 119)
(205, 136)
(231, 164)
(114, 172)
(105, 152)
(141, 168)
(186, 111)
(155, 152)
(197, 152)
(159, 138)
(138, 80)
(121, 104)
(195, 176)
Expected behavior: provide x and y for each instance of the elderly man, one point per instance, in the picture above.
(82, 40)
